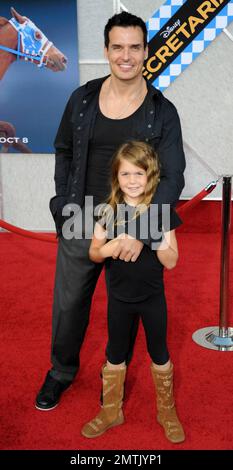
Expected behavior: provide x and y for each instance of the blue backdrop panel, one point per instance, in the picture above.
(32, 98)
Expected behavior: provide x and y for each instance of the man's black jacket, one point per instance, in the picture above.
(160, 127)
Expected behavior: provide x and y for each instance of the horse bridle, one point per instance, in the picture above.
(41, 47)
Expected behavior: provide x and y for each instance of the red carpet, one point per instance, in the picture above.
(203, 378)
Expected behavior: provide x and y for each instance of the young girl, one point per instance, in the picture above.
(135, 288)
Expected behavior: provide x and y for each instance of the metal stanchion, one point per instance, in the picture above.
(213, 337)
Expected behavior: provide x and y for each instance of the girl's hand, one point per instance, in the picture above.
(107, 250)
(128, 248)
(168, 250)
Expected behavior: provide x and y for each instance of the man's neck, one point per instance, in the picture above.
(126, 87)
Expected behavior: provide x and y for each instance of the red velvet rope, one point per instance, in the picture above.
(52, 237)
(196, 199)
(26, 233)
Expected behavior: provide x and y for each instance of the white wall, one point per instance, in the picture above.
(27, 186)
(203, 95)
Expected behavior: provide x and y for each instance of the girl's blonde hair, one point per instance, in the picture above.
(139, 154)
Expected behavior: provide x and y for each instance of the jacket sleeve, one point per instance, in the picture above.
(63, 150)
(172, 160)
(63, 157)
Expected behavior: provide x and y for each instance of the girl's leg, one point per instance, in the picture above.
(119, 326)
(154, 318)
(120, 323)
(163, 367)
(111, 366)
(167, 415)
(134, 326)
(111, 413)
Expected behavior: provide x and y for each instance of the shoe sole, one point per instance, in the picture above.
(46, 409)
(173, 441)
(106, 429)
(52, 407)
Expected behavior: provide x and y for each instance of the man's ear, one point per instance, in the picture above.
(146, 52)
(106, 53)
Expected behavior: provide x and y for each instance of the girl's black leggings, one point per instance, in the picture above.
(121, 316)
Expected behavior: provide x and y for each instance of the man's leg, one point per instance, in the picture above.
(76, 278)
(75, 281)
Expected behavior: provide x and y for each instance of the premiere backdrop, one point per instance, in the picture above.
(31, 98)
(202, 93)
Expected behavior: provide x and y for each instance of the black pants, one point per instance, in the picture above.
(75, 281)
(121, 317)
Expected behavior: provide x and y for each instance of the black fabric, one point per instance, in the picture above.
(56, 206)
(108, 135)
(175, 221)
(134, 282)
(121, 319)
(76, 277)
(50, 393)
(151, 224)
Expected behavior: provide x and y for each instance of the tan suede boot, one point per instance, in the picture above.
(167, 416)
(111, 413)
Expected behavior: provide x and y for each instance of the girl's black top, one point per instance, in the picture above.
(136, 281)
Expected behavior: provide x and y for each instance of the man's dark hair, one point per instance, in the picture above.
(124, 20)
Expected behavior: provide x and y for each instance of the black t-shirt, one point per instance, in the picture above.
(108, 135)
(136, 281)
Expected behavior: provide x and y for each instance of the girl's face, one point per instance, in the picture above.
(132, 181)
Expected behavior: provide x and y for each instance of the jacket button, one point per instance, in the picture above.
(84, 101)
(75, 181)
(149, 125)
(151, 112)
(81, 114)
(79, 142)
(73, 195)
(79, 128)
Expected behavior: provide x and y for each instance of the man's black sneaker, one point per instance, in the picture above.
(50, 393)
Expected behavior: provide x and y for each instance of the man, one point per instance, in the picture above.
(99, 117)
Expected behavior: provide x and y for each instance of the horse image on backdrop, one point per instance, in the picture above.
(21, 39)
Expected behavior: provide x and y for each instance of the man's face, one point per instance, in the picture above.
(125, 52)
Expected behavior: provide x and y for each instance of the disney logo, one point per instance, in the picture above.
(169, 29)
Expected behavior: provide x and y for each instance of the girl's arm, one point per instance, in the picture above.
(99, 249)
(168, 250)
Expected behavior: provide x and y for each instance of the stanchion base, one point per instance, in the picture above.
(209, 338)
